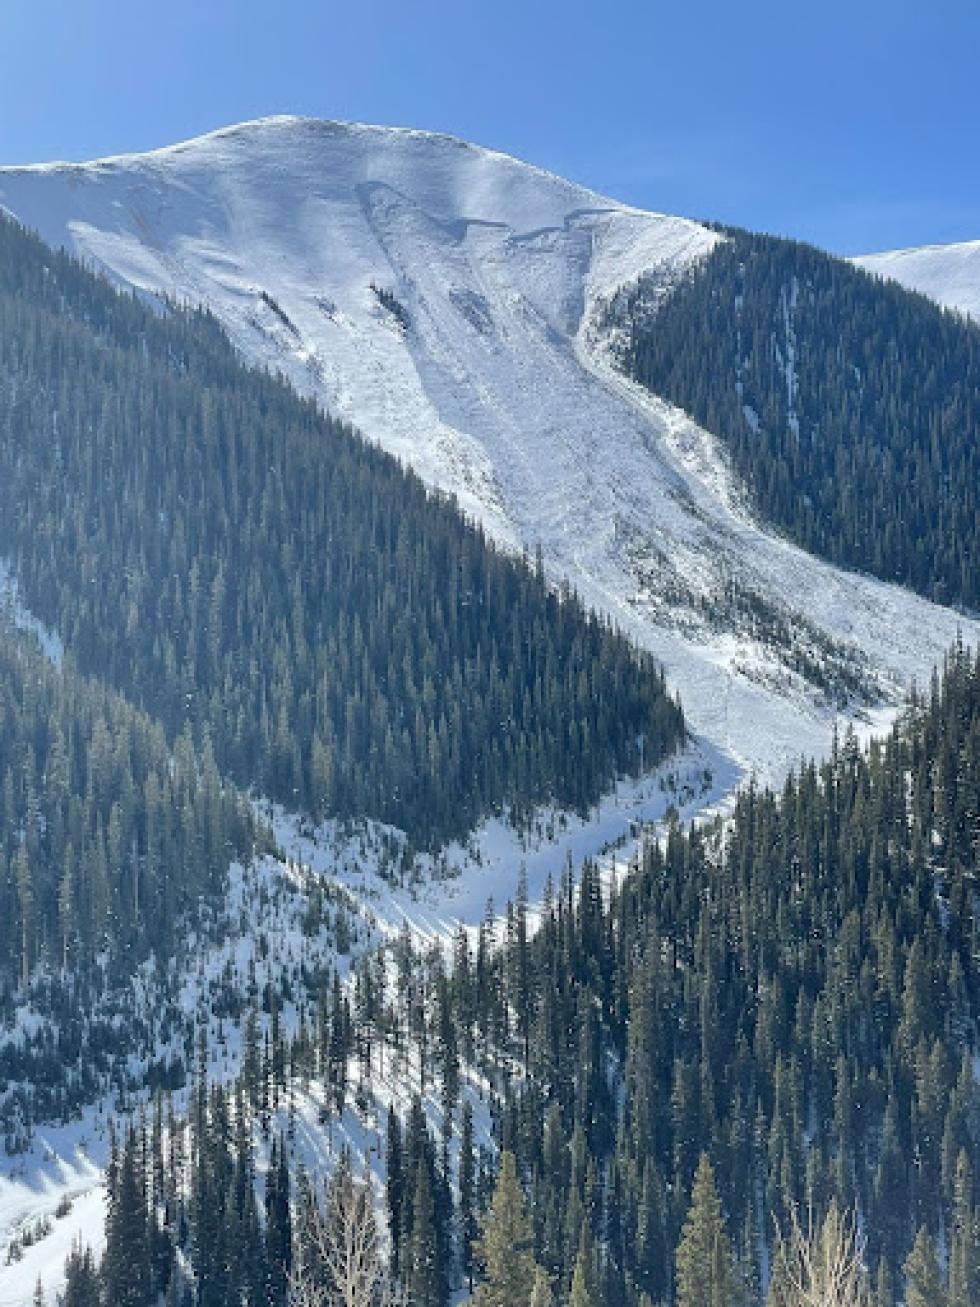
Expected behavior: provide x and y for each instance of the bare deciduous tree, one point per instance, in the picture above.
(820, 1268)
(339, 1260)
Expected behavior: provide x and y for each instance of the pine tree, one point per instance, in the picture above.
(81, 1279)
(468, 1226)
(394, 1183)
(884, 1289)
(423, 1274)
(585, 1289)
(278, 1226)
(541, 1292)
(126, 1263)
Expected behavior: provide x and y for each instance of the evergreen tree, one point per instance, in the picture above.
(280, 593)
(394, 1182)
(423, 1272)
(829, 389)
(541, 1293)
(964, 1256)
(278, 1226)
(81, 1279)
(923, 1280)
(126, 1263)
(506, 1244)
(585, 1286)
(468, 1224)
(705, 1265)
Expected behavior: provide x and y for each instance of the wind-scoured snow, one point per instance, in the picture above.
(491, 377)
(948, 274)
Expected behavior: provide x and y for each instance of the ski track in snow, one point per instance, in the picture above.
(501, 391)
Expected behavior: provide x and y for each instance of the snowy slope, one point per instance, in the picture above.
(948, 274)
(54, 1192)
(493, 381)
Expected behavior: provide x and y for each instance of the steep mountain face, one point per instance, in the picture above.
(446, 298)
(252, 573)
(948, 274)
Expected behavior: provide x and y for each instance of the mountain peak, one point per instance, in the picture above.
(447, 300)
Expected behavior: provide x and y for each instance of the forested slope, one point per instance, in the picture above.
(108, 833)
(769, 1017)
(228, 557)
(796, 995)
(849, 407)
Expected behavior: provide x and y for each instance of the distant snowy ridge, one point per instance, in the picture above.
(948, 274)
(446, 299)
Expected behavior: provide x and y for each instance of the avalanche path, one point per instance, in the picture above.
(445, 298)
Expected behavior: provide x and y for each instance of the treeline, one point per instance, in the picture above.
(849, 407)
(226, 556)
(107, 833)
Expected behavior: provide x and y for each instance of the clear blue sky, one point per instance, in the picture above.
(855, 125)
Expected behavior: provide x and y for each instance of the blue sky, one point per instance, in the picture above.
(855, 125)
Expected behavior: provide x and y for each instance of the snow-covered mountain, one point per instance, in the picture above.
(948, 274)
(446, 299)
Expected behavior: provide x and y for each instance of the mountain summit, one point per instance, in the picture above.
(451, 302)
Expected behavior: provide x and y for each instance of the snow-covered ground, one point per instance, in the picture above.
(948, 274)
(64, 1173)
(499, 388)
(454, 887)
(23, 619)
(263, 931)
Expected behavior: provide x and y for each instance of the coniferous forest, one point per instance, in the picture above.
(230, 559)
(767, 1022)
(849, 407)
(108, 833)
(749, 1057)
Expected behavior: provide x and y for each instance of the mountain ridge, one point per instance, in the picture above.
(444, 299)
(946, 273)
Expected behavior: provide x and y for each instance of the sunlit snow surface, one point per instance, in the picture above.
(500, 389)
(948, 274)
(261, 927)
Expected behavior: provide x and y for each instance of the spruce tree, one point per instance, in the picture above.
(585, 1286)
(964, 1255)
(506, 1244)
(126, 1263)
(468, 1225)
(81, 1280)
(923, 1279)
(423, 1273)
(705, 1263)
(394, 1185)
